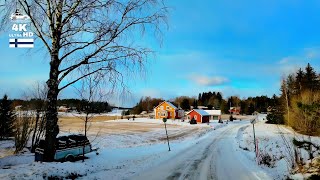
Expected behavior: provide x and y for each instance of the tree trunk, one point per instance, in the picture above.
(52, 128)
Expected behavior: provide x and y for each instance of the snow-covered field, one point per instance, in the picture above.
(138, 149)
(120, 155)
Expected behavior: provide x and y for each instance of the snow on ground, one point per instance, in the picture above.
(120, 155)
(213, 123)
(124, 155)
(6, 148)
(156, 136)
(113, 112)
(274, 141)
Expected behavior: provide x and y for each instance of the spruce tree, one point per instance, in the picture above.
(299, 82)
(6, 118)
(311, 79)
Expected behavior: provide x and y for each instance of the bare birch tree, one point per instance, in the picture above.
(38, 94)
(100, 33)
(89, 92)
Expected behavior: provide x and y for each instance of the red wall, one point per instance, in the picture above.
(205, 119)
(194, 113)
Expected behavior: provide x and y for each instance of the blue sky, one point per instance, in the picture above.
(235, 47)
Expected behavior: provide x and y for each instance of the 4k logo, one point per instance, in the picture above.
(20, 35)
(19, 27)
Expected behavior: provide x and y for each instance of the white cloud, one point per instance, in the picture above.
(285, 60)
(208, 81)
(304, 56)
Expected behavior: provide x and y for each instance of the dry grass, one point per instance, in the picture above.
(97, 125)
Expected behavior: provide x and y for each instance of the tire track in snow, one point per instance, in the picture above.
(195, 162)
(213, 157)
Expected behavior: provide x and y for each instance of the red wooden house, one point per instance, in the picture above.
(199, 115)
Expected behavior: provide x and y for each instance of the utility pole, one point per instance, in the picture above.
(254, 136)
(254, 139)
(165, 126)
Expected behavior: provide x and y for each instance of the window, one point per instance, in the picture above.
(163, 114)
(195, 117)
(161, 107)
(158, 113)
(168, 107)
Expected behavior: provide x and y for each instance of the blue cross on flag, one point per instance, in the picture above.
(21, 43)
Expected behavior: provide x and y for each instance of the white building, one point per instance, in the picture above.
(214, 114)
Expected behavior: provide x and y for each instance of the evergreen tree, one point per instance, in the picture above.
(195, 104)
(311, 80)
(251, 108)
(219, 97)
(299, 84)
(185, 104)
(6, 118)
(224, 107)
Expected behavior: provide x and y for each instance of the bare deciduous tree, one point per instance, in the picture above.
(89, 92)
(38, 94)
(98, 33)
(22, 129)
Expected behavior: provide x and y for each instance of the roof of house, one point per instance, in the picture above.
(201, 112)
(213, 112)
(169, 103)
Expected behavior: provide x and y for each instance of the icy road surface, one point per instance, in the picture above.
(214, 157)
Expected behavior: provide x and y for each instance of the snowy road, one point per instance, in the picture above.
(213, 157)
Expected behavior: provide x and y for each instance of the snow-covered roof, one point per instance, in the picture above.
(213, 112)
(169, 103)
(201, 112)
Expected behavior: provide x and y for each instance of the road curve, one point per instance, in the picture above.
(213, 157)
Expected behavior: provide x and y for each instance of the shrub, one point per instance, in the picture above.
(22, 130)
(266, 159)
(304, 114)
(314, 177)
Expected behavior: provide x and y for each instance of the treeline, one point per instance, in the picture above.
(29, 123)
(145, 104)
(300, 101)
(212, 100)
(73, 104)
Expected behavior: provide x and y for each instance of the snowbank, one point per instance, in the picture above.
(275, 144)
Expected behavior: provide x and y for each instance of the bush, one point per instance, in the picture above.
(314, 177)
(193, 121)
(266, 159)
(231, 118)
(273, 118)
(304, 114)
(22, 130)
(125, 113)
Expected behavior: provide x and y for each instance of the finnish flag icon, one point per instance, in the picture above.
(21, 43)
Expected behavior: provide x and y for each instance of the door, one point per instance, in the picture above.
(168, 115)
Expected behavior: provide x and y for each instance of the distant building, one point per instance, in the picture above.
(63, 109)
(200, 107)
(167, 110)
(214, 114)
(201, 116)
(235, 110)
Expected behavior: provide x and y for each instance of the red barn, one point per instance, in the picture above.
(199, 115)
